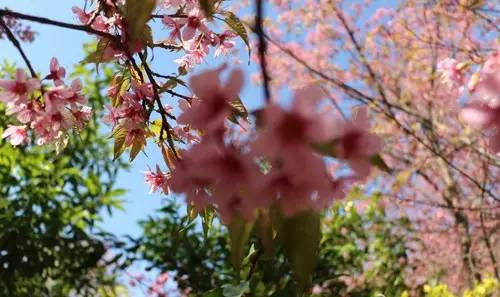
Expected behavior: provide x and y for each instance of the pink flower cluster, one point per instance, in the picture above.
(49, 111)
(157, 180)
(483, 110)
(155, 288)
(278, 164)
(111, 23)
(130, 115)
(450, 73)
(189, 30)
(23, 32)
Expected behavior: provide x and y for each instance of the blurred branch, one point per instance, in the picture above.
(17, 44)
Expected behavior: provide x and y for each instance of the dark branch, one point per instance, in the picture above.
(259, 30)
(46, 21)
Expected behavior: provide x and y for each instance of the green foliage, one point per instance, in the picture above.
(363, 253)
(172, 242)
(363, 245)
(50, 207)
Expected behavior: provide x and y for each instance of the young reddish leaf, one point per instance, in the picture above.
(137, 14)
(238, 111)
(137, 147)
(168, 156)
(122, 84)
(98, 57)
(237, 26)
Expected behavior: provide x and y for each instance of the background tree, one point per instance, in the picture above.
(51, 205)
(444, 178)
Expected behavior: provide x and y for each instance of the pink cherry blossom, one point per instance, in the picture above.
(112, 117)
(450, 73)
(19, 88)
(175, 26)
(157, 180)
(296, 128)
(186, 134)
(57, 73)
(195, 22)
(82, 116)
(16, 134)
(82, 15)
(224, 42)
(143, 91)
(487, 89)
(214, 98)
(356, 144)
(483, 116)
(299, 185)
(223, 171)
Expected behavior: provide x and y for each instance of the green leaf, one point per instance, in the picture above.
(237, 26)
(239, 233)
(326, 148)
(169, 85)
(235, 290)
(208, 7)
(119, 135)
(137, 14)
(301, 236)
(61, 143)
(380, 163)
(214, 293)
(207, 220)
(192, 214)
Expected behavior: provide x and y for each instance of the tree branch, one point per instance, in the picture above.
(259, 30)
